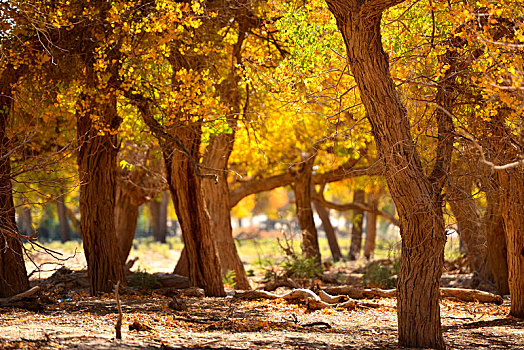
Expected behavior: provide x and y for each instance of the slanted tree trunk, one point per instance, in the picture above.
(302, 189)
(217, 200)
(469, 223)
(323, 213)
(199, 257)
(13, 274)
(417, 197)
(217, 155)
(371, 227)
(65, 229)
(359, 196)
(97, 166)
(512, 203)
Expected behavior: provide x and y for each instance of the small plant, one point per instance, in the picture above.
(296, 266)
(143, 279)
(229, 278)
(380, 274)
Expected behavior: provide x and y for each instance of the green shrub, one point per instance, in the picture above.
(143, 279)
(229, 278)
(296, 266)
(381, 274)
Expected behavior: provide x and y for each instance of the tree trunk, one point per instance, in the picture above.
(200, 257)
(302, 189)
(323, 213)
(126, 216)
(26, 220)
(97, 166)
(371, 227)
(65, 230)
(154, 209)
(359, 196)
(158, 210)
(13, 274)
(217, 200)
(492, 227)
(418, 200)
(469, 225)
(512, 202)
(162, 217)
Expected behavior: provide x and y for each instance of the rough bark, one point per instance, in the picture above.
(512, 202)
(65, 229)
(201, 257)
(371, 227)
(97, 165)
(302, 189)
(469, 225)
(13, 274)
(359, 196)
(217, 200)
(323, 213)
(418, 200)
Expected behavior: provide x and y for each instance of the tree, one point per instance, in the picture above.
(416, 196)
(13, 274)
(355, 247)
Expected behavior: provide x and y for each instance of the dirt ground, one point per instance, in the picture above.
(82, 322)
(70, 319)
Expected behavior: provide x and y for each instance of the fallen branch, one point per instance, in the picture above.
(313, 301)
(284, 282)
(20, 296)
(469, 295)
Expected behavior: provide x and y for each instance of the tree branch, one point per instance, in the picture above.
(142, 103)
(354, 206)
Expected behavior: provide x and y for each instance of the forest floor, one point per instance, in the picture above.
(69, 318)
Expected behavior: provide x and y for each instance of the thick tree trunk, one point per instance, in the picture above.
(200, 257)
(217, 200)
(492, 227)
(302, 189)
(417, 199)
(469, 224)
(323, 213)
(371, 227)
(97, 165)
(512, 202)
(13, 274)
(126, 215)
(359, 196)
(65, 229)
